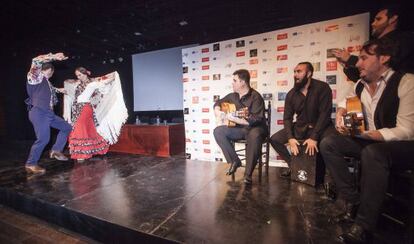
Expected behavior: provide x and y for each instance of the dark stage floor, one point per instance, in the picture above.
(129, 198)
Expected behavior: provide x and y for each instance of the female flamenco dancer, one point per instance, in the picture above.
(95, 107)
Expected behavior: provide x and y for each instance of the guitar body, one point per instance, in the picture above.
(354, 119)
(231, 108)
(228, 108)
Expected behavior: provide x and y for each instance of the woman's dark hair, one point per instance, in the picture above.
(83, 71)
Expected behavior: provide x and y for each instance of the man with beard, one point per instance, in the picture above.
(385, 24)
(387, 98)
(311, 101)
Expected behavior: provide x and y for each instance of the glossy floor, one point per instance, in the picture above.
(173, 198)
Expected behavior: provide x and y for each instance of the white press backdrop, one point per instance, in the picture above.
(270, 57)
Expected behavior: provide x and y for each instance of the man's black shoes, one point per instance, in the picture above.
(355, 235)
(233, 168)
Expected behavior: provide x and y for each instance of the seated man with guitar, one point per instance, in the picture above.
(310, 101)
(243, 114)
(387, 98)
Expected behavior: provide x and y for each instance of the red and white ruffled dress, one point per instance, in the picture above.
(84, 140)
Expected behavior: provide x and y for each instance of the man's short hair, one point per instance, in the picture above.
(243, 74)
(392, 9)
(309, 66)
(382, 47)
(47, 66)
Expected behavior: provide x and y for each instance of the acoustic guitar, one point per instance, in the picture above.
(231, 108)
(354, 118)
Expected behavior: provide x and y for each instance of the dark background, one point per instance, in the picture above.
(102, 36)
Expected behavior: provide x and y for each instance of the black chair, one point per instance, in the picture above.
(398, 205)
(264, 152)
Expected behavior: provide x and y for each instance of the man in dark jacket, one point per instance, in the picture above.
(385, 24)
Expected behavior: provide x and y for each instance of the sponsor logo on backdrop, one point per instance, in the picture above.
(216, 98)
(216, 76)
(280, 109)
(282, 70)
(266, 50)
(185, 69)
(297, 33)
(219, 159)
(185, 111)
(205, 88)
(195, 100)
(205, 99)
(352, 49)
(282, 57)
(188, 155)
(354, 38)
(194, 69)
(282, 36)
(282, 83)
(207, 150)
(266, 59)
(205, 131)
(240, 43)
(205, 67)
(316, 54)
(314, 43)
(253, 73)
(281, 96)
(185, 79)
(188, 140)
(205, 50)
(330, 28)
(252, 41)
(265, 84)
(194, 52)
(253, 61)
(333, 93)
(329, 52)
(282, 47)
(240, 54)
(185, 55)
(253, 84)
(206, 142)
(316, 66)
(334, 108)
(315, 29)
(267, 39)
(253, 53)
(298, 46)
(331, 79)
(331, 65)
(228, 45)
(216, 47)
(205, 121)
(267, 96)
(350, 25)
(194, 62)
(205, 110)
(227, 66)
(265, 72)
(279, 122)
(216, 58)
(205, 77)
(240, 64)
(205, 59)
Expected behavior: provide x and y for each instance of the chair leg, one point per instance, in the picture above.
(260, 167)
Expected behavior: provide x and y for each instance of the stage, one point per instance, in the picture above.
(125, 198)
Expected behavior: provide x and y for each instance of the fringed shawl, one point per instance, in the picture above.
(107, 102)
